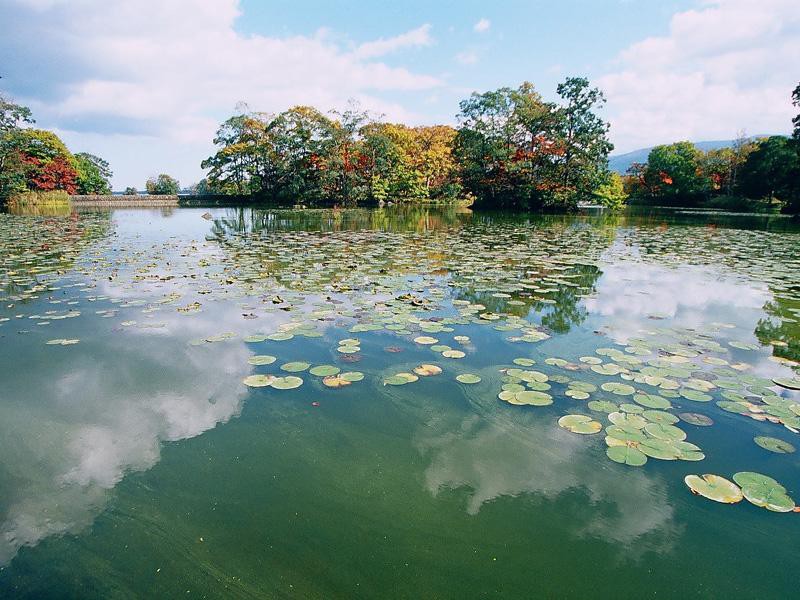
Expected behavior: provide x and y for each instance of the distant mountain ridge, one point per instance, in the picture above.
(621, 162)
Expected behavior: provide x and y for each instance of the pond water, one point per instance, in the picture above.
(240, 403)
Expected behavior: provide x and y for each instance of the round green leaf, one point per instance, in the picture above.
(714, 488)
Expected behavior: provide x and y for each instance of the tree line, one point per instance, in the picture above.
(511, 148)
(753, 173)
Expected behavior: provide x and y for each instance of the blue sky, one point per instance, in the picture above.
(145, 83)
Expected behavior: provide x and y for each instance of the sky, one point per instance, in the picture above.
(145, 83)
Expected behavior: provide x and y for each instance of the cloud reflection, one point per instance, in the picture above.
(103, 418)
(508, 457)
(628, 293)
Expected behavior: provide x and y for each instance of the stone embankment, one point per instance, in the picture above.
(109, 201)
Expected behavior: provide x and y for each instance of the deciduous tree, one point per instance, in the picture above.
(162, 184)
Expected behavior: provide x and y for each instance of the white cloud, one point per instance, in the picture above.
(482, 25)
(414, 38)
(728, 65)
(169, 72)
(468, 57)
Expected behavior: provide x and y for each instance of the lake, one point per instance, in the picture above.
(241, 403)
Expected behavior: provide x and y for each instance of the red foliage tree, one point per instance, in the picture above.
(56, 174)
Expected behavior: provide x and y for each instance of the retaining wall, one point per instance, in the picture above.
(109, 201)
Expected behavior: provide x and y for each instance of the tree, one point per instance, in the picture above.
(163, 184)
(584, 161)
(35, 160)
(673, 175)
(243, 164)
(40, 163)
(409, 163)
(301, 141)
(515, 149)
(131, 191)
(506, 147)
(772, 171)
(345, 165)
(611, 193)
(94, 174)
(13, 116)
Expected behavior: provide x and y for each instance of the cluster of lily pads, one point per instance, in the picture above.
(654, 377)
(760, 490)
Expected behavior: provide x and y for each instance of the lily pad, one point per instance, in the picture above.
(714, 487)
(335, 381)
(400, 379)
(257, 381)
(324, 370)
(287, 383)
(580, 424)
(602, 406)
(352, 376)
(254, 339)
(626, 455)
(660, 416)
(764, 491)
(427, 370)
(621, 389)
(696, 419)
(527, 397)
(660, 449)
(295, 367)
(652, 401)
(468, 378)
(774, 444)
(261, 359)
(790, 383)
(665, 432)
(524, 362)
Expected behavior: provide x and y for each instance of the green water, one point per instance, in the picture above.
(135, 463)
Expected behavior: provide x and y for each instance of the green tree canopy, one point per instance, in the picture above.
(162, 184)
(772, 170)
(12, 115)
(515, 149)
(611, 193)
(584, 162)
(94, 174)
(673, 174)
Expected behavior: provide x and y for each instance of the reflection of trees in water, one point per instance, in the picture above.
(764, 257)
(396, 218)
(782, 324)
(557, 252)
(559, 315)
(490, 253)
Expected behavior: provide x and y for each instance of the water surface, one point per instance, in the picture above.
(135, 463)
